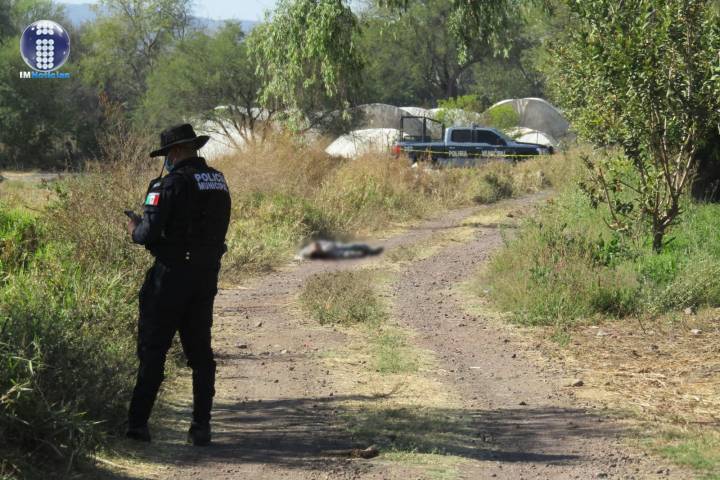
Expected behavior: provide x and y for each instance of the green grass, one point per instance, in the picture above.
(67, 350)
(433, 466)
(566, 266)
(18, 240)
(699, 451)
(391, 352)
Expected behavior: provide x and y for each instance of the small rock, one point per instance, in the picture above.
(242, 345)
(696, 331)
(600, 333)
(689, 311)
(258, 324)
(514, 355)
(578, 382)
(276, 381)
(523, 403)
(369, 452)
(283, 352)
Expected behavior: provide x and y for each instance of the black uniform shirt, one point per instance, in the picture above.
(186, 215)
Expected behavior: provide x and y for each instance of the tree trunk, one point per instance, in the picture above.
(452, 90)
(658, 235)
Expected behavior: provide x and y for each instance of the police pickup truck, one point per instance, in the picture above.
(423, 138)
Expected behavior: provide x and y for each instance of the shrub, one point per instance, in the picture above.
(345, 298)
(502, 117)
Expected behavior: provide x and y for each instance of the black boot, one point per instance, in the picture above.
(139, 434)
(199, 434)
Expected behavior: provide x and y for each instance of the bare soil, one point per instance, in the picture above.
(484, 398)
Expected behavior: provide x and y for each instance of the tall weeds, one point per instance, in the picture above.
(68, 282)
(285, 193)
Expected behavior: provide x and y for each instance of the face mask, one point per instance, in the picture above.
(168, 165)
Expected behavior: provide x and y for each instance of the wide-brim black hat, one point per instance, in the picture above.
(179, 135)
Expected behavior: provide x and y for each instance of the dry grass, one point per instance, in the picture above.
(285, 193)
(28, 195)
(345, 297)
(663, 373)
(663, 370)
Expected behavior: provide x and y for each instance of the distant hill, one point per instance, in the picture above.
(82, 12)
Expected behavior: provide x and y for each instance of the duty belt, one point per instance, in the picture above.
(210, 256)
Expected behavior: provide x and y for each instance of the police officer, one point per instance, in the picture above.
(186, 216)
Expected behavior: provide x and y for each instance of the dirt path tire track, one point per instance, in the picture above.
(276, 411)
(533, 427)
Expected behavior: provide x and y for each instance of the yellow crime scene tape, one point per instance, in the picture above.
(468, 154)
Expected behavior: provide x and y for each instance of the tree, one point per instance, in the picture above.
(309, 59)
(643, 76)
(384, 37)
(6, 26)
(417, 49)
(473, 21)
(420, 43)
(210, 78)
(310, 56)
(128, 40)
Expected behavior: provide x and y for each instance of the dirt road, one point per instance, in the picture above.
(293, 396)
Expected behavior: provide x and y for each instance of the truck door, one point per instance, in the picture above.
(492, 144)
(460, 146)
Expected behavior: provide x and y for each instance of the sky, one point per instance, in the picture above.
(221, 9)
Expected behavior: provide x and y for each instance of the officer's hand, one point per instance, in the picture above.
(132, 224)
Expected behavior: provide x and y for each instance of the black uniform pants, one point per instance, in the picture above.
(175, 298)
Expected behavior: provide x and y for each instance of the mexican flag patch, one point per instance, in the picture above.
(153, 199)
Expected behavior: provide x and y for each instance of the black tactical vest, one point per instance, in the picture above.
(198, 221)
